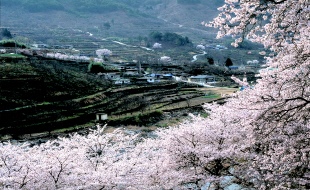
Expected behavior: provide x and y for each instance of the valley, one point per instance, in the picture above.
(46, 95)
(49, 97)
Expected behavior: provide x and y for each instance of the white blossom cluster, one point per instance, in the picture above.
(103, 53)
(255, 62)
(200, 47)
(61, 56)
(165, 59)
(157, 46)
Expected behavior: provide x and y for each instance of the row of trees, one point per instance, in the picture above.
(260, 136)
(228, 61)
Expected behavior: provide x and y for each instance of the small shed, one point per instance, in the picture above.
(101, 117)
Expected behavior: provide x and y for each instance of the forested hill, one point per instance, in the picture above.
(137, 16)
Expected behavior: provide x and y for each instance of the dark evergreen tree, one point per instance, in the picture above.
(6, 33)
(187, 40)
(228, 62)
(210, 60)
(107, 25)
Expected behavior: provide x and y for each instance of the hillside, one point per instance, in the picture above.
(44, 95)
(37, 19)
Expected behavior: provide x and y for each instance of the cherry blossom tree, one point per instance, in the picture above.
(176, 157)
(200, 47)
(103, 53)
(90, 162)
(157, 46)
(281, 97)
(165, 59)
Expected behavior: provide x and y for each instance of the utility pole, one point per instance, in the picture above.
(139, 67)
(15, 43)
(0, 12)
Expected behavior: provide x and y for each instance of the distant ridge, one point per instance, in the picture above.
(128, 18)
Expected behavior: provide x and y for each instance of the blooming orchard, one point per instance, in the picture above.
(261, 136)
(61, 56)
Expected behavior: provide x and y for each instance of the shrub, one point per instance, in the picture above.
(11, 43)
(94, 67)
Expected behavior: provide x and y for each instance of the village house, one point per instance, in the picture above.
(39, 46)
(67, 46)
(145, 80)
(155, 75)
(168, 76)
(110, 76)
(202, 79)
(131, 73)
(121, 81)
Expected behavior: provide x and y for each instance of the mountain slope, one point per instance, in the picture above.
(125, 18)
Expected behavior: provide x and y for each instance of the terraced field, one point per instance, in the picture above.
(141, 106)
